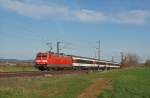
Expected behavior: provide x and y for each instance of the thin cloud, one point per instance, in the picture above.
(90, 16)
(44, 11)
(34, 10)
(138, 17)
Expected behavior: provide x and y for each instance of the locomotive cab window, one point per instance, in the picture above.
(42, 55)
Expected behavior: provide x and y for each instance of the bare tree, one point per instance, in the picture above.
(147, 62)
(130, 59)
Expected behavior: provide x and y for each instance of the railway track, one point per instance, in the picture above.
(38, 73)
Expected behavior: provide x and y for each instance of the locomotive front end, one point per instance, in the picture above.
(41, 60)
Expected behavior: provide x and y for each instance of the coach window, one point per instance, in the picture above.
(84, 61)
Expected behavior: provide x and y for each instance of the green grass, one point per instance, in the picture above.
(17, 68)
(55, 87)
(127, 83)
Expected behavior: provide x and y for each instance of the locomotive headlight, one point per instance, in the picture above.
(44, 60)
(41, 60)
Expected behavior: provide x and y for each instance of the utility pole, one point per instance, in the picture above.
(95, 55)
(122, 58)
(50, 46)
(99, 50)
(112, 59)
(58, 48)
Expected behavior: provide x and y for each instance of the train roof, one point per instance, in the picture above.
(88, 58)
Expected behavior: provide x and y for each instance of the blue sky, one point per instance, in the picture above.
(122, 26)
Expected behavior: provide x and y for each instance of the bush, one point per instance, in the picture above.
(147, 62)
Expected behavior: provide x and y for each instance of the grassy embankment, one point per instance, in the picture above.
(127, 83)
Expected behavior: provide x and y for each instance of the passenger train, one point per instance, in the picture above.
(54, 61)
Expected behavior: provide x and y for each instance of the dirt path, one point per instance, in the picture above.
(94, 90)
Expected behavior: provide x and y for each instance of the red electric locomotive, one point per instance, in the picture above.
(47, 60)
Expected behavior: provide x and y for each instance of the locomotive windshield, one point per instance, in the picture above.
(42, 55)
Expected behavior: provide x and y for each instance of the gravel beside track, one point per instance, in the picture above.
(38, 73)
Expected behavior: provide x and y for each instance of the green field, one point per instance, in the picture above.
(125, 83)
(17, 68)
(129, 83)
